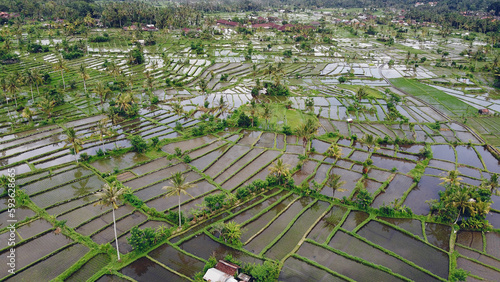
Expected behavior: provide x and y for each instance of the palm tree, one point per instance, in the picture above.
(27, 113)
(29, 78)
(110, 196)
(38, 79)
(12, 86)
(361, 93)
(203, 86)
(46, 106)
(280, 170)
(102, 91)
(60, 65)
(335, 183)
(82, 71)
(267, 114)
(462, 201)
(177, 107)
(73, 140)
(125, 101)
(307, 131)
(232, 232)
(101, 131)
(452, 178)
(179, 186)
(334, 151)
(370, 141)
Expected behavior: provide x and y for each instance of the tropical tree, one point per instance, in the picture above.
(73, 141)
(370, 141)
(177, 107)
(101, 131)
(12, 86)
(306, 131)
(125, 101)
(232, 233)
(38, 79)
(82, 71)
(280, 170)
(29, 78)
(178, 187)
(103, 92)
(28, 114)
(361, 93)
(335, 183)
(203, 86)
(110, 196)
(452, 178)
(267, 114)
(60, 65)
(462, 201)
(334, 151)
(46, 106)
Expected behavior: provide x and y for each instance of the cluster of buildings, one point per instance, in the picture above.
(147, 27)
(269, 23)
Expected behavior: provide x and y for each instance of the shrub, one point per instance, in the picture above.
(178, 151)
(214, 202)
(242, 193)
(287, 130)
(187, 159)
(84, 157)
(141, 239)
(244, 120)
(154, 141)
(138, 144)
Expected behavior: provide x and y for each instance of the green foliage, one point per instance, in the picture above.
(242, 193)
(186, 159)
(178, 151)
(268, 271)
(342, 79)
(138, 144)
(459, 274)
(244, 120)
(136, 56)
(143, 239)
(363, 199)
(277, 90)
(287, 53)
(211, 263)
(174, 217)
(133, 200)
(287, 130)
(215, 201)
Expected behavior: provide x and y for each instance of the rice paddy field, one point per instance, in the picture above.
(312, 233)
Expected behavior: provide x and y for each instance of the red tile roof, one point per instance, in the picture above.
(227, 267)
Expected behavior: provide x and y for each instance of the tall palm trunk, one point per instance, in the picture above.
(180, 211)
(32, 98)
(116, 237)
(84, 86)
(62, 75)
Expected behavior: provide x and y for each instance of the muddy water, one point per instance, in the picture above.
(253, 227)
(73, 190)
(144, 269)
(293, 236)
(90, 267)
(342, 265)
(492, 164)
(414, 226)
(438, 235)
(202, 162)
(477, 269)
(398, 186)
(36, 249)
(53, 266)
(155, 176)
(232, 154)
(471, 239)
(428, 188)
(272, 231)
(251, 212)
(468, 156)
(56, 180)
(354, 219)
(122, 226)
(295, 270)
(355, 247)
(307, 168)
(258, 163)
(177, 260)
(203, 246)
(238, 165)
(325, 226)
(407, 247)
(119, 162)
(389, 163)
(266, 140)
